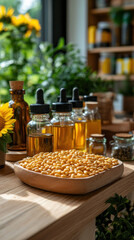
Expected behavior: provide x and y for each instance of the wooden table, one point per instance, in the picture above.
(28, 213)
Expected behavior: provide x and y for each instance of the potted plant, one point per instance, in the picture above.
(6, 127)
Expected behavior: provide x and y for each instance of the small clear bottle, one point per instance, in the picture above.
(97, 144)
(63, 125)
(39, 129)
(122, 146)
(79, 120)
(93, 118)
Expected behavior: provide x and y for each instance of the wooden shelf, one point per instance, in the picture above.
(107, 10)
(112, 49)
(115, 77)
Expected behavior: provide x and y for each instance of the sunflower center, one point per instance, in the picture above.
(2, 123)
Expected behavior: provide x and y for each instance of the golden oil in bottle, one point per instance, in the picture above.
(39, 129)
(63, 125)
(93, 118)
(39, 143)
(79, 120)
(93, 127)
(80, 135)
(63, 137)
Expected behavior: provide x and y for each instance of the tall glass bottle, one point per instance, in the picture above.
(79, 120)
(21, 114)
(39, 129)
(93, 118)
(63, 125)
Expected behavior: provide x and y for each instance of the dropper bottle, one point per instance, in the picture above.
(63, 125)
(79, 120)
(39, 129)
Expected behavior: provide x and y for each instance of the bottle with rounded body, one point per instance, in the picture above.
(63, 131)
(80, 129)
(93, 118)
(39, 135)
(21, 114)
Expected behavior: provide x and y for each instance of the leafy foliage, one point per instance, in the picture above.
(117, 222)
(51, 68)
(128, 88)
(116, 15)
(6, 138)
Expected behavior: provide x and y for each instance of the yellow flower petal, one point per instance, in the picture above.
(28, 33)
(1, 26)
(4, 131)
(10, 12)
(2, 11)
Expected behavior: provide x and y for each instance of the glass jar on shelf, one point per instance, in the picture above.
(97, 144)
(122, 146)
(105, 63)
(103, 35)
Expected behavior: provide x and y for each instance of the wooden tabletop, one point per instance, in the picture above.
(29, 213)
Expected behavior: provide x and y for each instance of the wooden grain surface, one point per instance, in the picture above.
(29, 213)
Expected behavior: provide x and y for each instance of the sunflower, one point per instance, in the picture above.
(6, 123)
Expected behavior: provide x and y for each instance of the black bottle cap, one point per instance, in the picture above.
(68, 98)
(39, 107)
(62, 105)
(75, 99)
(88, 98)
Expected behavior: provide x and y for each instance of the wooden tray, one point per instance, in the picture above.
(68, 185)
(14, 156)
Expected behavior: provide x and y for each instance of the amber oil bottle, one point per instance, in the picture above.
(93, 118)
(21, 114)
(63, 125)
(79, 120)
(39, 129)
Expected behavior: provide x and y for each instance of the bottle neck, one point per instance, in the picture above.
(17, 95)
(40, 117)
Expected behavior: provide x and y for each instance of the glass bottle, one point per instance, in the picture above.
(63, 125)
(79, 120)
(89, 98)
(21, 114)
(93, 118)
(39, 129)
(122, 146)
(97, 144)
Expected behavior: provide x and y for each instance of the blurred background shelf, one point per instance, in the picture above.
(107, 9)
(119, 49)
(115, 77)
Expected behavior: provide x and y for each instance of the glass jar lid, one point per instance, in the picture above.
(123, 137)
(97, 138)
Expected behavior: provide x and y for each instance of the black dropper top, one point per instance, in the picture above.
(62, 105)
(87, 98)
(39, 107)
(75, 99)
